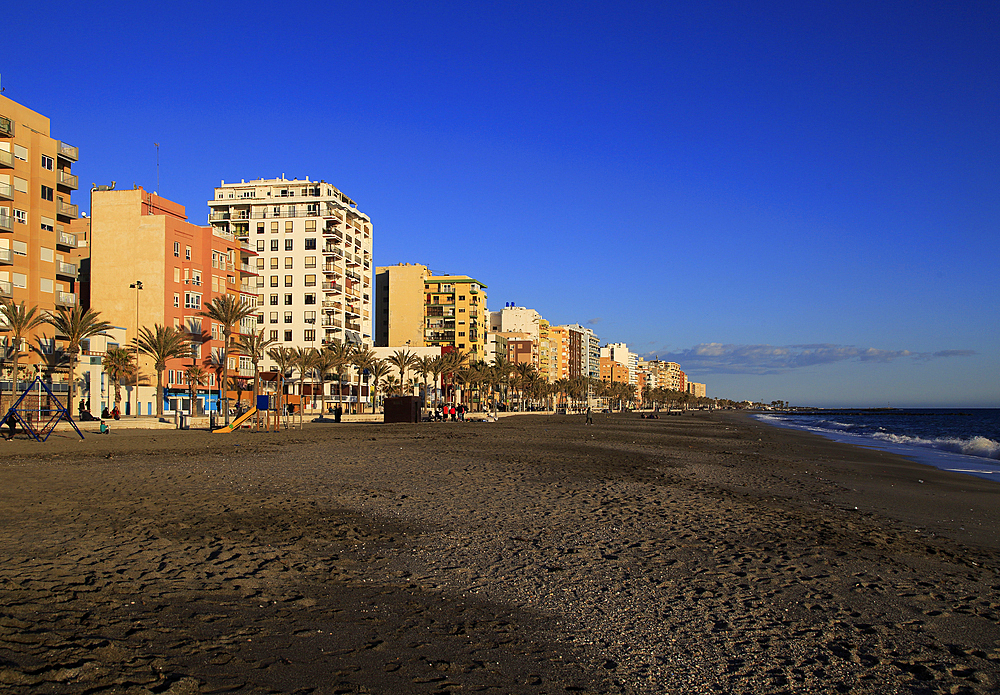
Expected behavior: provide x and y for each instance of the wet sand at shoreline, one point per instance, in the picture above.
(705, 553)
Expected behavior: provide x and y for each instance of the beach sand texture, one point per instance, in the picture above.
(695, 554)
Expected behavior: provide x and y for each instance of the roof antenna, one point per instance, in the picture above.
(157, 167)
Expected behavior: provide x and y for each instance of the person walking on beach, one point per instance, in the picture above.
(590, 416)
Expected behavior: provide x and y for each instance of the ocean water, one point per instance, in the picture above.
(954, 439)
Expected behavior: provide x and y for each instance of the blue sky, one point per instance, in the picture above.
(795, 201)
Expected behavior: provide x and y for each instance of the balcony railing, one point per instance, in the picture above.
(6, 191)
(6, 289)
(67, 209)
(68, 180)
(68, 152)
(331, 268)
(333, 287)
(332, 251)
(66, 269)
(6, 160)
(67, 299)
(6, 257)
(65, 239)
(6, 127)
(5, 223)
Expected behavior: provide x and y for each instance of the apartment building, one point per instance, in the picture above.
(312, 259)
(620, 353)
(148, 265)
(36, 186)
(613, 370)
(399, 305)
(455, 314)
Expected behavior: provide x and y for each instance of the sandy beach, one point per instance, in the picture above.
(702, 553)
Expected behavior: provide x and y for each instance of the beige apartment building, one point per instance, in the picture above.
(450, 310)
(36, 185)
(313, 252)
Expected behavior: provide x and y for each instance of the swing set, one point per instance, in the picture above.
(31, 419)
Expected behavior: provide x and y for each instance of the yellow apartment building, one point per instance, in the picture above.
(455, 314)
(399, 305)
(36, 185)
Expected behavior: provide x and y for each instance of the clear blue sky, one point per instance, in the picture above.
(796, 201)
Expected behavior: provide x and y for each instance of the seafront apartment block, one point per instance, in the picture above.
(36, 184)
(313, 247)
(140, 239)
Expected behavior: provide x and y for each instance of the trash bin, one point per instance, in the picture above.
(185, 421)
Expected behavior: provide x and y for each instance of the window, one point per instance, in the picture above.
(260, 229)
(177, 249)
(19, 280)
(274, 281)
(288, 317)
(274, 300)
(288, 299)
(310, 299)
(461, 297)
(260, 318)
(192, 300)
(274, 225)
(260, 264)
(274, 263)
(288, 281)
(288, 261)
(20, 216)
(187, 253)
(21, 152)
(310, 261)
(47, 224)
(177, 274)
(47, 162)
(273, 335)
(177, 300)
(289, 244)
(260, 245)
(310, 281)
(288, 224)
(309, 316)
(311, 244)
(461, 334)
(274, 244)
(309, 334)
(288, 336)
(46, 192)
(273, 316)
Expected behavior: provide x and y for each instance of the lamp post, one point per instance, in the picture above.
(137, 286)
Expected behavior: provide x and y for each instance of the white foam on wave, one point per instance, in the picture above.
(982, 447)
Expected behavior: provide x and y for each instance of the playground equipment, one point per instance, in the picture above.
(31, 418)
(264, 418)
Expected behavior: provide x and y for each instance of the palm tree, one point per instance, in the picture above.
(162, 343)
(196, 376)
(341, 359)
(119, 366)
(304, 359)
(253, 345)
(379, 370)
(228, 310)
(283, 357)
(425, 366)
(76, 326)
(403, 360)
(20, 321)
(437, 371)
(363, 359)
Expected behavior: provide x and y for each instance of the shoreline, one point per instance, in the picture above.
(691, 554)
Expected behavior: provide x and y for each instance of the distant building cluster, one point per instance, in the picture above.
(297, 251)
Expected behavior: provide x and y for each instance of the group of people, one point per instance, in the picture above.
(450, 410)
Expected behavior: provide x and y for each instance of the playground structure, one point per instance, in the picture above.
(31, 418)
(263, 418)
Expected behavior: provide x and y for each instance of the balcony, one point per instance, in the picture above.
(67, 270)
(247, 270)
(330, 305)
(6, 191)
(332, 251)
(333, 287)
(6, 289)
(6, 127)
(331, 269)
(334, 233)
(67, 180)
(331, 323)
(5, 223)
(67, 209)
(6, 257)
(68, 152)
(64, 239)
(66, 299)
(218, 216)
(6, 160)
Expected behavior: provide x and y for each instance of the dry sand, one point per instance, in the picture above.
(688, 554)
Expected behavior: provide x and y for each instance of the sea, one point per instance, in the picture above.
(964, 440)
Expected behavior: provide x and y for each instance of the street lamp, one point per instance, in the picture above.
(137, 285)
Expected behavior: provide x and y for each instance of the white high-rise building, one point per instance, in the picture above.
(313, 263)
